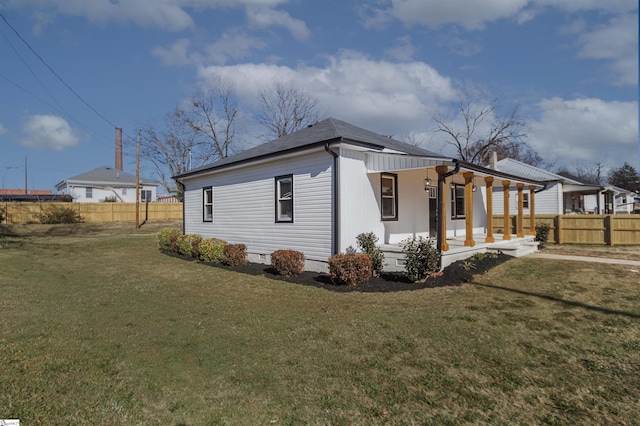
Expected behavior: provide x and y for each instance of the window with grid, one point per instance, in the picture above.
(389, 196)
(207, 204)
(284, 198)
(457, 201)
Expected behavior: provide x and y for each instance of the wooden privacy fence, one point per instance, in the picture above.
(24, 213)
(618, 229)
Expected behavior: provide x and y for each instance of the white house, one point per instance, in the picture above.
(105, 183)
(316, 189)
(564, 194)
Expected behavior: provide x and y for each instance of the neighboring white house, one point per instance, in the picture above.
(105, 183)
(316, 189)
(564, 194)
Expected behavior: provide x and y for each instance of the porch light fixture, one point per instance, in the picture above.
(427, 183)
(474, 188)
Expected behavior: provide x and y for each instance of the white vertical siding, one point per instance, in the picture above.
(359, 205)
(360, 201)
(244, 206)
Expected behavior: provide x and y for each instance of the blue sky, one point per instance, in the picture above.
(385, 65)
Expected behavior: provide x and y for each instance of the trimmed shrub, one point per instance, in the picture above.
(287, 262)
(54, 214)
(235, 254)
(367, 243)
(421, 258)
(542, 233)
(212, 250)
(350, 269)
(167, 238)
(188, 245)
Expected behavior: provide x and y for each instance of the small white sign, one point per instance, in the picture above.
(9, 422)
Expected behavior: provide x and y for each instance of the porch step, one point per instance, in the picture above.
(516, 249)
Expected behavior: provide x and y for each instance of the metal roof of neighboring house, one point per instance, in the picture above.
(107, 176)
(518, 168)
(327, 130)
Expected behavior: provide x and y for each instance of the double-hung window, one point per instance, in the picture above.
(457, 201)
(389, 196)
(207, 204)
(284, 198)
(88, 192)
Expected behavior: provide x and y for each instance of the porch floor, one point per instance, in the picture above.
(516, 247)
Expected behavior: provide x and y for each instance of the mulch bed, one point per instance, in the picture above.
(456, 274)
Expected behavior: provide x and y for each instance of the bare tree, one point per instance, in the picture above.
(481, 128)
(286, 109)
(172, 148)
(213, 116)
(199, 133)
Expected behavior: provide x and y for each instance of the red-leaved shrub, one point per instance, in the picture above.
(287, 262)
(235, 254)
(350, 269)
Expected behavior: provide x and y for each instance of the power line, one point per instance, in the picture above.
(29, 68)
(56, 74)
(56, 109)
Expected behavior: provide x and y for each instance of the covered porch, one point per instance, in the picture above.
(515, 246)
(460, 212)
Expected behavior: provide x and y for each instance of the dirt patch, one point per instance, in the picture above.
(456, 274)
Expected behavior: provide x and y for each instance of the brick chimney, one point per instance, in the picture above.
(118, 148)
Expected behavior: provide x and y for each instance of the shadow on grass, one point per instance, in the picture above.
(560, 300)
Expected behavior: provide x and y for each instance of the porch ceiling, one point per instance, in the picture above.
(387, 162)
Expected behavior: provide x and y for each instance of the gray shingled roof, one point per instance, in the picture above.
(322, 132)
(108, 176)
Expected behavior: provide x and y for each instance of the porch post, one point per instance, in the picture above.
(468, 209)
(489, 182)
(520, 230)
(441, 170)
(507, 217)
(532, 210)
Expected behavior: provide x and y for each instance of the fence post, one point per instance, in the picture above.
(559, 229)
(608, 230)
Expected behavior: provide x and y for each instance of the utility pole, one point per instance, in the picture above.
(26, 187)
(138, 183)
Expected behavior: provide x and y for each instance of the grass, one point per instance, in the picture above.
(98, 327)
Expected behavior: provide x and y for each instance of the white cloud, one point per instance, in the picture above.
(48, 132)
(435, 13)
(617, 41)
(233, 44)
(382, 96)
(3, 129)
(587, 130)
(265, 17)
(177, 54)
(402, 51)
(171, 15)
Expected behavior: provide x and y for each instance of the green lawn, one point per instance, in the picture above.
(100, 328)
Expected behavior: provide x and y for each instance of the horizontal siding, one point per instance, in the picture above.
(244, 206)
(548, 201)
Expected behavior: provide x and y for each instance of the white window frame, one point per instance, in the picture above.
(393, 196)
(88, 192)
(282, 198)
(207, 204)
